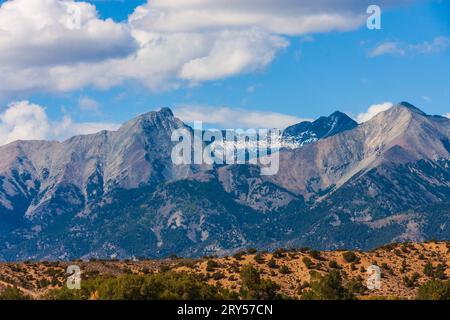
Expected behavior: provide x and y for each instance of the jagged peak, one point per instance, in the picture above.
(163, 115)
(165, 111)
(399, 113)
(340, 115)
(410, 107)
(323, 127)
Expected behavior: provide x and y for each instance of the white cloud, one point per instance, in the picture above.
(387, 48)
(447, 115)
(37, 46)
(164, 43)
(23, 120)
(437, 45)
(26, 121)
(88, 104)
(36, 32)
(373, 111)
(233, 53)
(235, 118)
(290, 17)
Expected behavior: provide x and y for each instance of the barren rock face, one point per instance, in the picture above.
(138, 153)
(119, 194)
(308, 132)
(402, 134)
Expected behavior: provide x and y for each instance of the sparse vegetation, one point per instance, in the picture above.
(285, 270)
(308, 262)
(238, 255)
(328, 287)
(315, 254)
(356, 286)
(350, 256)
(279, 253)
(272, 264)
(256, 288)
(211, 265)
(13, 293)
(411, 282)
(161, 286)
(434, 290)
(334, 265)
(293, 274)
(259, 258)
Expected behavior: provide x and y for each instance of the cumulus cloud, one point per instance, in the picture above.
(437, 45)
(163, 44)
(39, 33)
(241, 52)
(38, 43)
(373, 111)
(225, 117)
(27, 121)
(23, 120)
(290, 17)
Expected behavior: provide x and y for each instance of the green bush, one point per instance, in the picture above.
(160, 286)
(218, 276)
(272, 264)
(239, 255)
(404, 267)
(259, 258)
(411, 282)
(349, 256)
(211, 265)
(308, 262)
(328, 287)
(285, 270)
(255, 288)
(334, 265)
(356, 286)
(13, 293)
(315, 254)
(439, 272)
(434, 290)
(428, 270)
(279, 253)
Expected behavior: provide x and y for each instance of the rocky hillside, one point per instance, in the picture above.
(404, 268)
(308, 132)
(118, 194)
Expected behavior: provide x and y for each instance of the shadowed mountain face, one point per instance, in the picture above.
(119, 194)
(308, 132)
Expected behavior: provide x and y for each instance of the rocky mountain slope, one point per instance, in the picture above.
(70, 175)
(308, 132)
(119, 194)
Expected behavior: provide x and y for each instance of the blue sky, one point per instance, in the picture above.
(313, 74)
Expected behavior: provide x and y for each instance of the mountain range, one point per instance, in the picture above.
(117, 194)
